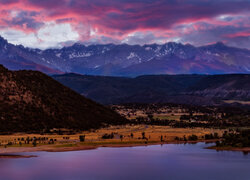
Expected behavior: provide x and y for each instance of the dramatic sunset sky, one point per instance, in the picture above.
(55, 23)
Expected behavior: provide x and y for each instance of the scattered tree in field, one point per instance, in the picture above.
(132, 135)
(211, 136)
(150, 116)
(192, 138)
(108, 136)
(121, 137)
(143, 135)
(177, 138)
(51, 141)
(216, 136)
(161, 138)
(34, 143)
(82, 138)
(27, 140)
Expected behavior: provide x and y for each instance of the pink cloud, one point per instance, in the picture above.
(239, 34)
(117, 19)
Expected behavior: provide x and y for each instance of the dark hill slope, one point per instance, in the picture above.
(33, 101)
(231, 86)
(184, 89)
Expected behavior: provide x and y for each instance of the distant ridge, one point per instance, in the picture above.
(128, 60)
(31, 101)
(180, 89)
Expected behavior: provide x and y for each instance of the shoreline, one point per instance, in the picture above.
(227, 148)
(12, 156)
(12, 152)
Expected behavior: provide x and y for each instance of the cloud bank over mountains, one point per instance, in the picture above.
(45, 24)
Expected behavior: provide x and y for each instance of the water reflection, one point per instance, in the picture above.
(171, 161)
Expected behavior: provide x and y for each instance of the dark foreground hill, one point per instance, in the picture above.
(31, 101)
(183, 89)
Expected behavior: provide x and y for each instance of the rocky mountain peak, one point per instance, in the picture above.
(129, 60)
(3, 41)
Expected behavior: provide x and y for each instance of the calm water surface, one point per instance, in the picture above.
(167, 162)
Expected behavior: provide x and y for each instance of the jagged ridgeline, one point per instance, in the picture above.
(31, 101)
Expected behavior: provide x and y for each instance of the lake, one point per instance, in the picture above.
(156, 162)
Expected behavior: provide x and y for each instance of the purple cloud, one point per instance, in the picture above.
(194, 21)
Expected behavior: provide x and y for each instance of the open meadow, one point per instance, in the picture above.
(124, 135)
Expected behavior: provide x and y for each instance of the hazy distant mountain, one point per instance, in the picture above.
(33, 101)
(183, 89)
(128, 60)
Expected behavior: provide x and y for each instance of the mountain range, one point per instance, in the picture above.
(180, 89)
(128, 60)
(31, 101)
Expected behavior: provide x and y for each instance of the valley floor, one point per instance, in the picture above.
(123, 136)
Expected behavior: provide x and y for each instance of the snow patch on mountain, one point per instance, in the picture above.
(148, 48)
(59, 55)
(105, 49)
(133, 55)
(79, 55)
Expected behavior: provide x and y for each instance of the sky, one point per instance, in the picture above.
(57, 23)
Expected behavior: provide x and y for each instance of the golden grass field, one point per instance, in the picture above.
(165, 113)
(153, 133)
(237, 101)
